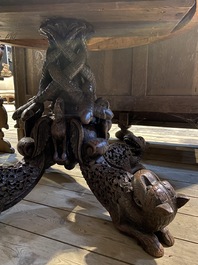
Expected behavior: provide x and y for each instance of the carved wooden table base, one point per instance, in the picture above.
(75, 129)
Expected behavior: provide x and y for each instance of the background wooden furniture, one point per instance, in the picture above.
(5, 146)
(155, 84)
(7, 90)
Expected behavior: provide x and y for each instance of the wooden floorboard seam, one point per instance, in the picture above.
(89, 193)
(187, 214)
(68, 210)
(188, 241)
(66, 189)
(66, 243)
(90, 216)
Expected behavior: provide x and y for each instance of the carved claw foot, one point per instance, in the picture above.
(149, 242)
(59, 160)
(151, 245)
(64, 156)
(63, 160)
(165, 237)
(122, 133)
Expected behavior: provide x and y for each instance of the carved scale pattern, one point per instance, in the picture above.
(16, 182)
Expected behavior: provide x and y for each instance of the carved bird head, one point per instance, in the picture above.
(66, 27)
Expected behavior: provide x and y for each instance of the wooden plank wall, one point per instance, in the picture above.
(161, 76)
(158, 78)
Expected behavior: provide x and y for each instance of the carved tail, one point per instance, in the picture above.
(16, 182)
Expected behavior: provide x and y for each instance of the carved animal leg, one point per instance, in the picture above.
(165, 237)
(124, 125)
(64, 154)
(149, 242)
(55, 157)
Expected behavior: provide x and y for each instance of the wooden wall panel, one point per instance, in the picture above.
(34, 64)
(27, 72)
(139, 73)
(113, 71)
(171, 65)
(19, 70)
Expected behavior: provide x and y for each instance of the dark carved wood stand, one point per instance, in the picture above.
(74, 129)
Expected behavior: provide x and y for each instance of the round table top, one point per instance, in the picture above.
(118, 24)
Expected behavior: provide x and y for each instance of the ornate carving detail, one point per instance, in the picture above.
(16, 182)
(76, 130)
(139, 204)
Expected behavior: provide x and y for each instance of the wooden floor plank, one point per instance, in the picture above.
(184, 188)
(75, 192)
(65, 181)
(92, 234)
(88, 233)
(184, 181)
(87, 205)
(68, 200)
(18, 247)
(174, 172)
(163, 134)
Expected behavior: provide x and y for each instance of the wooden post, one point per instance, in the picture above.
(5, 146)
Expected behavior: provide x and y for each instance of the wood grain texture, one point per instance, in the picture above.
(156, 79)
(160, 104)
(170, 69)
(118, 24)
(109, 67)
(19, 247)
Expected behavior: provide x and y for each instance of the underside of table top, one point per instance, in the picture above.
(118, 24)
